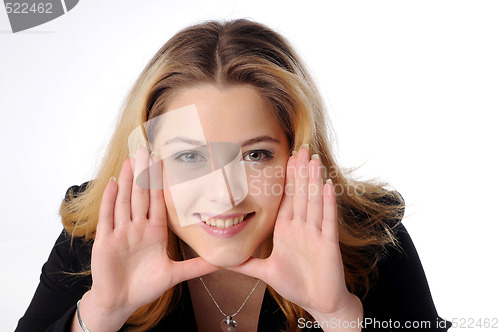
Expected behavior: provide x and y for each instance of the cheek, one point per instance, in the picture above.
(266, 186)
(177, 209)
(172, 208)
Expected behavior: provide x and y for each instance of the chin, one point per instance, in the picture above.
(226, 260)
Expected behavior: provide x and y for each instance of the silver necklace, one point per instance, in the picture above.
(228, 324)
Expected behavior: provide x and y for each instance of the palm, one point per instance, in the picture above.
(128, 262)
(310, 263)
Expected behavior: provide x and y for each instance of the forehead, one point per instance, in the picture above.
(225, 114)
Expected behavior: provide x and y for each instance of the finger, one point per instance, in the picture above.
(301, 185)
(132, 162)
(140, 186)
(106, 210)
(253, 267)
(286, 206)
(315, 193)
(329, 225)
(122, 205)
(157, 210)
(194, 268)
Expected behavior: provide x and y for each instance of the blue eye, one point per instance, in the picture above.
(189, 157)
(257, 156)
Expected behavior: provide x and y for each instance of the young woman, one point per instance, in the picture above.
(230, 211)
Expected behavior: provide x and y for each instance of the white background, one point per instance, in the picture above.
(413, 89)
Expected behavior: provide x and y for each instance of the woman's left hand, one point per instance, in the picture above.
(305, 265)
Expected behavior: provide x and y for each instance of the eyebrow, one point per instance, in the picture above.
(182, 139)
(187, 140)
(260, 139)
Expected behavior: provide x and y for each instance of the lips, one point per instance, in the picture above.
(235, 223)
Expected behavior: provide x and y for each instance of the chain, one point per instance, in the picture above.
(254, 287)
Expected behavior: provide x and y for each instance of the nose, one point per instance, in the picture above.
(228, 186)
(237, 182)
(238, 193)
(216, 190)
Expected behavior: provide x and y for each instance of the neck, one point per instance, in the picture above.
(224, 282)
(229, 289)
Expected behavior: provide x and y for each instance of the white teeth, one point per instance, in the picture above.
(222, 223)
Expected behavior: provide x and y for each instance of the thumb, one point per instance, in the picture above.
(194, 268)
(253, 267)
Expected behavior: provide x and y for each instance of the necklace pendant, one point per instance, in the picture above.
(228, 324)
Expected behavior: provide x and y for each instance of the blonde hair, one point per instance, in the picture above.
(228, 54)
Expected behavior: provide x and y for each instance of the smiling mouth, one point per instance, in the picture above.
(223, 222)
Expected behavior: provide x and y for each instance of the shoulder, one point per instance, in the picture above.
(67, 242)
(63, 281)
(401, 290)
(394, 202)
(71, 254)
(75, 190)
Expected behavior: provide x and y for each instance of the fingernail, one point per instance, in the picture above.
(329, 181)
(304, 146)
(294, 152)
(139, 145)
(153, 158)
(112, 179)
(315, 156)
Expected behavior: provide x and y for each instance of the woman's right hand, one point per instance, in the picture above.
(130, 265)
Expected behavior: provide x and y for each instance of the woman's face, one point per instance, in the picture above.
(224, 163)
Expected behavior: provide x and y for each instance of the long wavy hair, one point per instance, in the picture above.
(234, 53)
